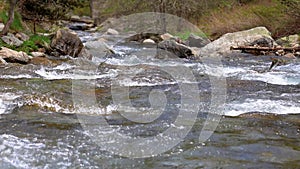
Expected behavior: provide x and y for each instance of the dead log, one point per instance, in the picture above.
(267, 50)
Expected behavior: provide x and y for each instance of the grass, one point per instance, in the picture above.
(185, 35)
(17, 23)
(33, 44)
(269, 13)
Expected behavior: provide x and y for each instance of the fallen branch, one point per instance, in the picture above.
(263, 50)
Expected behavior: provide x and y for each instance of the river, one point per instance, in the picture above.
(41, 128)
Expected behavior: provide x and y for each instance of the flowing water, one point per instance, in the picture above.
(40, 125)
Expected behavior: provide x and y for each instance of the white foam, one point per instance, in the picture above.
(57, 75)
(263, 106)
(278, 78)
(6, 99)
(16, 77)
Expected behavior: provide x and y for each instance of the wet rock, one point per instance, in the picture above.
(38, 54)
(64, 43)
(81, 26)
(12, 40)
(1, 27)
(44, 61)
(12, 56)
(149, 41)
(22, 36)
(289, 41)
(197, 41)
(222, 45)
(177, 49)
(85, 54)
(98, 48)
(112, 32)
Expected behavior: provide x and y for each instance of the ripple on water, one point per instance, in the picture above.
(263, 106)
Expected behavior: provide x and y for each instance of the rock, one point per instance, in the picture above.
(149, 41)
(38, 54)
(178, 49)
(65, 42)
(222, 45)
(85, 54)
(112, 32)
(263, 42)
(197, 41)
(14, 56)
(22, 36)
(1, 27)
(84, 19)
(289, 41)
(12, 40)
(98, 48)
(80, 26)
(166, 36)
(44, 61)
(290, 55)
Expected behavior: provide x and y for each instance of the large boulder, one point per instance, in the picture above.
(12, 56)
(98, 48)
(178, 49)
(289, 41)
(197, 41)
(222, 45)
(65, 42)
(12, 40)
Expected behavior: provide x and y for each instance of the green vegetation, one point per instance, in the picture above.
(33, 44)
(17, 23)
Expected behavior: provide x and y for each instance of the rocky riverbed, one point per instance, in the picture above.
(42, 127)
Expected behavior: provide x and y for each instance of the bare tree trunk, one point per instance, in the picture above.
(11, 16)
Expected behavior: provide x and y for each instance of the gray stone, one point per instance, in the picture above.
(290, 41)
(12, 40)
(22, 36)
(12, 56)
(222, 45)
(65, 43)
(179, 50)
(112, 32)
(197, 41)
(98, 48)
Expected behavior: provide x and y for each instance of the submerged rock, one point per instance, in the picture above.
(65, 42)
(12, 56)
(222, 45)
(12, 40)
